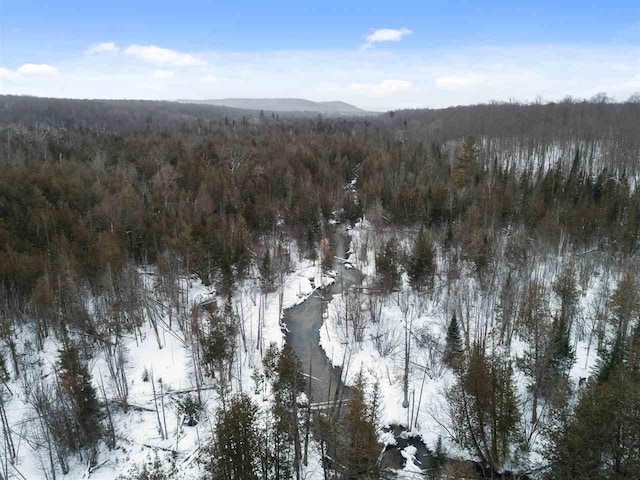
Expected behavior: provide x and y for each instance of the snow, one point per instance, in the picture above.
(167, 356)
(379, 357)
(428, 379)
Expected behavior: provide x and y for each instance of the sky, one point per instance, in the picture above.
(376, 55)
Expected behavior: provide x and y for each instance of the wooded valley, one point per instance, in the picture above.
(476, 270)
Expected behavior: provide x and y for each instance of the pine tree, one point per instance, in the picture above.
(387, 266)
(484, 408)
(361, 449)
(421, 265)
(234, 455)
(625, 308)
(288, 384)
(76, 382)
(453, 348)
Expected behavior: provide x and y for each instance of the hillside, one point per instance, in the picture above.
(284, 105)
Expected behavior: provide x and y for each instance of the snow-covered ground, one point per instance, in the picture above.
(380, 356)
(166, 356)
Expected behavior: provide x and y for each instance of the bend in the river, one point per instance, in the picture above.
(303, 328)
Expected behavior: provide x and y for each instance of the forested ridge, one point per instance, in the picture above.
(511, 230)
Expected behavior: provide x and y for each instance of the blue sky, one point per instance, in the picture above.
(373, 54)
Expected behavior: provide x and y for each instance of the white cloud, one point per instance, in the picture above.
(164, 56)
(105, 47)
(163, 74)
(454, 82)
(499, 72)
(633, 82)
(385, 35)
(386, 87)
(7, 74)
(37, 69)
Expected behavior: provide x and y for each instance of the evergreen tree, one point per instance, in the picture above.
(453, 350)
(625, 308)
(437, 460)
(566, 289)
(76, 382)
(361, 450)
(218, 341)
(421, 265)
(4, 372)
(599, 441)
(484, 408)
(288, 384)
(234, 454)
(388, 266)
(466, 169)
(266, 273)
(561, 355)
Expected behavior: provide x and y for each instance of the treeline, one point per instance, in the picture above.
(471, 202)
(97, 201)
(110, 115)
(606, 133)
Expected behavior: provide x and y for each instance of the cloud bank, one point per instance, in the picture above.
(373, 79)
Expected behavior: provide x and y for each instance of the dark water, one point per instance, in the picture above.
(305, 320)
(392, 458)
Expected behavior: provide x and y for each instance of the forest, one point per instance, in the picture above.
(476, 272)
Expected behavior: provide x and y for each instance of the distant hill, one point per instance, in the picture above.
(113, 115)
(284, 105)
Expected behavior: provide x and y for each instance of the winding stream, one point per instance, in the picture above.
(305, 320)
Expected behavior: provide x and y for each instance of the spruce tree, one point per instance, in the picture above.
(266, 273)
(625, 308)
(387, 266)
(362, 450)
(76, 382)
(421, 264)
(288, 384)
(234, 455)
(453, 348)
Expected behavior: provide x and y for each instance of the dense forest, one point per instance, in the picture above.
(498, 246)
